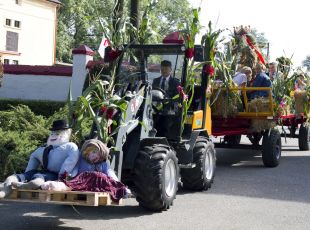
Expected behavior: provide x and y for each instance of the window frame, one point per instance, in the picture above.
(8, 20)
(19, 23)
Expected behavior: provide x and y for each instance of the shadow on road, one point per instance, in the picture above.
(242, 173)
(45, 216)
(15, 215)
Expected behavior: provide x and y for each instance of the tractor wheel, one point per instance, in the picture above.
(304, 137)
(232, 140)
(271, 148)
(201, 176)
(156, 177)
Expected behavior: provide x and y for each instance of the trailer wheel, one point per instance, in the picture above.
(232, 140)
(201, 176)
(255, 138)
(156, 177)
(304, 137)
(271, 148)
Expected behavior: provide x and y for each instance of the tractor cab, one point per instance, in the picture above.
(167, 109)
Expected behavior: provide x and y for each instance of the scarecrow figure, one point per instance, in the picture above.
(57, 160)
(95, 174)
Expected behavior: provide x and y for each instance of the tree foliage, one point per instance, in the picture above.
(306, 62)
(78, 22)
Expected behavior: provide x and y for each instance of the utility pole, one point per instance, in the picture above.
(134, 14)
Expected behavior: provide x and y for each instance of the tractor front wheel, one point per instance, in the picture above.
(156, 177)
(201, 176)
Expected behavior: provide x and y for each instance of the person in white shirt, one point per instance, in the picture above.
(241, 78)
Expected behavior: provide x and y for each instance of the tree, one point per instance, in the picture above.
(78, 22)
(306, 62)
(167, 15)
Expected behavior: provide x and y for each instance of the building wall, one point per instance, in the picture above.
(34, 87)
(51, 83)
(36, 42)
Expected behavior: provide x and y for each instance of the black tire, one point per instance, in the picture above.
(304, 137)
(255, 138)
(200, 178)
(271, 148)
(292, 130)
(153, 167)
(232, 140)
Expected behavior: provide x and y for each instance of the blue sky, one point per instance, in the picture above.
(285, 23)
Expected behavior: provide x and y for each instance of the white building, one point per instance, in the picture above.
(28, 31)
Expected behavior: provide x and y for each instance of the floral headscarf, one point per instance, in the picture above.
(89, 145)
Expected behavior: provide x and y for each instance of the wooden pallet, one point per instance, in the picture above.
(64, 197)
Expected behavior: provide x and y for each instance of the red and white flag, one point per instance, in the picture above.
(104, 44)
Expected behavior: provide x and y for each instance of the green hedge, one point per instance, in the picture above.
(38, 107)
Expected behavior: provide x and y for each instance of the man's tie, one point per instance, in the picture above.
(45, 156)
(163, 83)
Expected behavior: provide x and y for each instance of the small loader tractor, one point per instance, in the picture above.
(154, 152)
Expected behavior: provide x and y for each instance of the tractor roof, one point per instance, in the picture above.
(160, 48)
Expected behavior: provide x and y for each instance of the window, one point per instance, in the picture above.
(8, 22)
(15, 62)
(11, 41)
(17, 24)
(6, 61)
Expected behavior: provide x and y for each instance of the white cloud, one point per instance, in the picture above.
(285, 23)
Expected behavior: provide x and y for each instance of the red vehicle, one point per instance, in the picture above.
(232, 129)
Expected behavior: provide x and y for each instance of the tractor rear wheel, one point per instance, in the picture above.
(271, 148)
(201, 176)
(156, 177)
(304, 137)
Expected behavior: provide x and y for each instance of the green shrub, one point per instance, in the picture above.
(15, 149)
(21, 132)
(38, 107)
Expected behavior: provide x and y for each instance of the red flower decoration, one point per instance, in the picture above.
(209, 69)
(181, 93)
(113, 55)
(189, 53)
(110, 113)
(102, 110)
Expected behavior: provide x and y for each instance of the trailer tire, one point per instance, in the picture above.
(202, 175)
(271, 148)
(232, 140)
(304, 137)
(156, 177)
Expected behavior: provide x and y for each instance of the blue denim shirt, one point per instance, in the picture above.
(261, 80)
(63, 158)
(103, 167)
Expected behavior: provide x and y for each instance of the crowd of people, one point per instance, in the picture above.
(263, 78)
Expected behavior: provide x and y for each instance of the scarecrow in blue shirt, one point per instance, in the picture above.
(59, 158)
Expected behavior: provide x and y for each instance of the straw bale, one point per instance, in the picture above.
(260, 104)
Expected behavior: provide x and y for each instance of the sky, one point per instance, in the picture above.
(286, 23)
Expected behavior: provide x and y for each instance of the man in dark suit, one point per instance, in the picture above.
(166, 82)
(165, 123)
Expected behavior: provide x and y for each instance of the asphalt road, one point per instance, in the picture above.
(245, 195)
